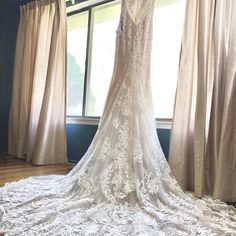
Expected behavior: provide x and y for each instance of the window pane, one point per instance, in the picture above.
(167, 35)
(76, 55)
(106, 19)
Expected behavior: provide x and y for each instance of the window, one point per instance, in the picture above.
(168, 21)
(76, 56)
(90, 65)
(105, 22)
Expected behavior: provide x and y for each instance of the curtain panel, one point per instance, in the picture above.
(37, 127)
(202, 147)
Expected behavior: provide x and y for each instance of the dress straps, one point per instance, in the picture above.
(138, 9)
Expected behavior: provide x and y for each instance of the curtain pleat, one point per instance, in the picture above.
(202, 153)
(37, 118)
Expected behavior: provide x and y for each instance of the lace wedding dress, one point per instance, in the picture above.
(123, 185)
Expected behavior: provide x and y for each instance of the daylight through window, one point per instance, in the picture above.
(91, 51)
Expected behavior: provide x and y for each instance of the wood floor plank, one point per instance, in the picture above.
(12, 169)
(31, 169)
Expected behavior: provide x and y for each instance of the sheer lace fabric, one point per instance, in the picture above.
(123, 185)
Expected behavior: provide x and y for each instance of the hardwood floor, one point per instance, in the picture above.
(12, 169)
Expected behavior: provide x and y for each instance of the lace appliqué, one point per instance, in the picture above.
(123, 185)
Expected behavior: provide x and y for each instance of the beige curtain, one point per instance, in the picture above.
(37, 129)
(203, 139)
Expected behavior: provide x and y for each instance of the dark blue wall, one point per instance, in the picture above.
(9, 19)
(79, 138)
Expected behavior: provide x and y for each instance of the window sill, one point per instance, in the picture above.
(160, 123)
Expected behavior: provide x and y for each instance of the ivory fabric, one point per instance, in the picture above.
(37, 127)
(123, 184)
(202, 148)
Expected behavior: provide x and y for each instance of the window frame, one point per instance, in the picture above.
(71, 12)
(161, 123)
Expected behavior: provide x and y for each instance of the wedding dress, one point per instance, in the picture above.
(123, 185)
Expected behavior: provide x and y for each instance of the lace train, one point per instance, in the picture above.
(123, 185)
